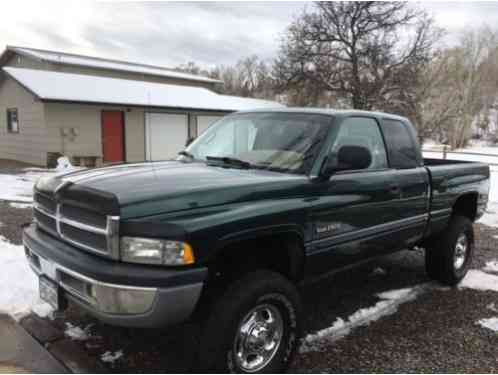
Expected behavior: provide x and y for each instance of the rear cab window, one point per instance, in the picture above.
(401, 148)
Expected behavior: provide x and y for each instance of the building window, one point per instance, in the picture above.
(12, 120)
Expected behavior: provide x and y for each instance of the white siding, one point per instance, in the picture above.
(87, 120)
(30, 144)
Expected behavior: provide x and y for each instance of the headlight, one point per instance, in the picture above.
(156, 251)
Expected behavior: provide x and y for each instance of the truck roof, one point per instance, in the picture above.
(326, 111)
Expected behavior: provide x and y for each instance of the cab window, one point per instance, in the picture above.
(401, 148)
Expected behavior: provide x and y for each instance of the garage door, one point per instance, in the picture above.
(203, 122)
(165, 135)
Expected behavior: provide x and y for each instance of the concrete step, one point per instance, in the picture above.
(21, 353)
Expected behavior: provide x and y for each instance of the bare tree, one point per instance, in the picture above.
(435, 106)
(192, 68)
(249, 77)
(457, 88)
(358, 51)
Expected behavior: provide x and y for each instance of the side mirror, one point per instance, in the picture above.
(189, 141)
(349, 158)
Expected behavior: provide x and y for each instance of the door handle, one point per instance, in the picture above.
(394, 189)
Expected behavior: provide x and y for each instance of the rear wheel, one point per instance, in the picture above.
(449, 255)
(254, 327)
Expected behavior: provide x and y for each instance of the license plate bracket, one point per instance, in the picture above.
(50, 292)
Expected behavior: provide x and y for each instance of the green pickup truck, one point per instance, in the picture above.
(259, 203)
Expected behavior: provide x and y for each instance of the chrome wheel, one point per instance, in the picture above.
(461, 250)
(258, 338)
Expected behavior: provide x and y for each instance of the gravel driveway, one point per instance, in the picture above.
(435, 331)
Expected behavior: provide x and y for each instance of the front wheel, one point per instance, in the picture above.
(254, 327)
(448, 257)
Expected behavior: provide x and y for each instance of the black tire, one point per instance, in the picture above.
(440, 261)
(256, 289)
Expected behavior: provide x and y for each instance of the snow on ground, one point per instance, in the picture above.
(392, 299)
(465, 155)
(492, 307)
(490, 218)
(111, 357)
(481, 149)
(490, 323)
(18, 283)
(479, 280)
(77, 333)
(389, 303)
(491, 266)
(19, 187)
(20, 205)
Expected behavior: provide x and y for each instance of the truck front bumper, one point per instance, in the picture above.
(114, 292)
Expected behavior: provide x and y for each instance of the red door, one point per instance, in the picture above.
(113, 136)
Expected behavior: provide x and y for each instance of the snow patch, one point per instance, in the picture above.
(491, 266)
(20, 205)
(378, 271)
(111, 357)
(490, 217)
(18, 283)
(77, 333)
(43, 310)
(490, 323)
(492, 307)
(19, 187)
(396, 294)
(479, 280)
(390, 301)
(64, 165)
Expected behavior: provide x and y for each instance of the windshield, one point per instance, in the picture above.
(276, 141)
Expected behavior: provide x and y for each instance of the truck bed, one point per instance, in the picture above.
(448, 180)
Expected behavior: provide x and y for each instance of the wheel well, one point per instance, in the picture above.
(466, 205)
(283, 253)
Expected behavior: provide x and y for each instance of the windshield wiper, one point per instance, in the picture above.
(186, 153)
(228, 161)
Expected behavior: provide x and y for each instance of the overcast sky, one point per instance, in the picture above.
(172, 33)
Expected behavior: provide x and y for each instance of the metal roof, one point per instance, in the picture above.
(101, 63)
(69, 87)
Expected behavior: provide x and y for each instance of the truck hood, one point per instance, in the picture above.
(147, 189)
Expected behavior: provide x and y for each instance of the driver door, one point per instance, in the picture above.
(352, 211)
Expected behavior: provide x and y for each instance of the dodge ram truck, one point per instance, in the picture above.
(259, 203)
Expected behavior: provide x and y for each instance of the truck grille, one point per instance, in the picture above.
(83, 228)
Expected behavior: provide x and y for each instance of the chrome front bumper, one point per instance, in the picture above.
(116, 304)
(104, 297)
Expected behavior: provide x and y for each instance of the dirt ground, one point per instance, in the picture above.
(436, 332)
